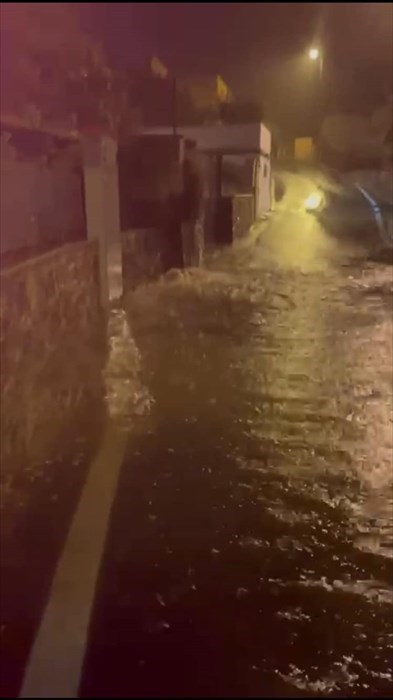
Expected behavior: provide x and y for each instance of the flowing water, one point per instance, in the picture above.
(250, 550)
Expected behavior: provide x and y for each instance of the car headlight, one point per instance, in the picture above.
(314, 201)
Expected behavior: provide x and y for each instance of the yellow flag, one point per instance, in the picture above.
(223, 91)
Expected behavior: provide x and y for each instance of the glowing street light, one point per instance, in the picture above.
(314, 53)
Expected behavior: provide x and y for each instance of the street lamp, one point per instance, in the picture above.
(313, 53)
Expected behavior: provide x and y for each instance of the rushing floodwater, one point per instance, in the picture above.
(252, 536)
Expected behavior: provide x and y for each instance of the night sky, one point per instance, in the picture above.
(259, 48)
(204, 37)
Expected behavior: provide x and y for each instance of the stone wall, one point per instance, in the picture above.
(52, 349)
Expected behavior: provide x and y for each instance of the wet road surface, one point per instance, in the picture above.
(249, 550)
(251, 540)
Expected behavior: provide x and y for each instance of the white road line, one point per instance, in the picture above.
(55, 664)
(377, 215)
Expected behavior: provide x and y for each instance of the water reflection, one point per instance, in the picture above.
(272, 423)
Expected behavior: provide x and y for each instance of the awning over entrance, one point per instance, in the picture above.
(225, 139)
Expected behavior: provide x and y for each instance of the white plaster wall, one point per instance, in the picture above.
(95, 220)
(263, 187)
(102, 212)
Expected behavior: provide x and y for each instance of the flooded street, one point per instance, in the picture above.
(238, 535)
(251, 540)
(196, 350)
